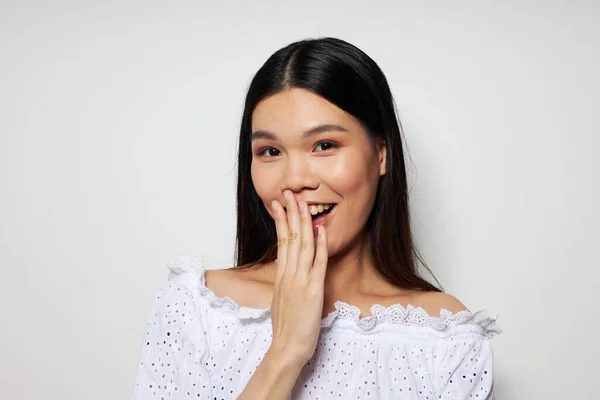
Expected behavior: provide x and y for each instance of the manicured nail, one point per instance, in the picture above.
(302, 206)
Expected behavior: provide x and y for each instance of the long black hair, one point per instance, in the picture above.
(347, 77)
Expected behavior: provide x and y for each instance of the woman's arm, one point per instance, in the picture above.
(297, 302)
(274, 378)
(464, 368)
(173, 353)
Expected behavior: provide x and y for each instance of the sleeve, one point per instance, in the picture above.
(464, 368)
(174, 350)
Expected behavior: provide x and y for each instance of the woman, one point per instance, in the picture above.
(326, 301)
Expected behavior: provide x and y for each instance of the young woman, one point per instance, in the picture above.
(326, 302)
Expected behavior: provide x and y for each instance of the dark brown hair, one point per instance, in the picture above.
(347, 77)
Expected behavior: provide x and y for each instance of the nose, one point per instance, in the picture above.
(299, 174)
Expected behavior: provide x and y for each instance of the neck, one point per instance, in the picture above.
(352, 271)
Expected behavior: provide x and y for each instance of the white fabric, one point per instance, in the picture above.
(199, 346)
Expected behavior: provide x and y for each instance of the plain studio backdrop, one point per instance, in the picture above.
(118, 134)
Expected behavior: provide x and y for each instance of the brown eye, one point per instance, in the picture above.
(269, 152)
(323, 146)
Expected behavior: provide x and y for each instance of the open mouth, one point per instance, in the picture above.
(320, 214)
(321, 217)
(320, 210)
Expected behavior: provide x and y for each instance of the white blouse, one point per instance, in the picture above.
(200, 346)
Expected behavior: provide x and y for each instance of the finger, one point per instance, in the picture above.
(321, 257)
(282, 234)
(307, 240)
(293, 223)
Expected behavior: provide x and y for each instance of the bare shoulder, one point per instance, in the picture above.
(246, 286)
(217, 279)
(434, 302)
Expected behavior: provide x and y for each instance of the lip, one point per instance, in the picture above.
(323, 221)
(311, 203)
(316, 203)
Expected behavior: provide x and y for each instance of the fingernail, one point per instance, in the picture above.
(274, 206)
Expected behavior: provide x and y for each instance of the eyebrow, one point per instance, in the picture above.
(311, 132)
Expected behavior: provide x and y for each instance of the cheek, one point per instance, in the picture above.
(266, 183)
(351, 176)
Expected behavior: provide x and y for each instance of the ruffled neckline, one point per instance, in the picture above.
(191, 273)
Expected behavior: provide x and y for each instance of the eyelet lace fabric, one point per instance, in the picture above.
(190, 271)
(197, 345)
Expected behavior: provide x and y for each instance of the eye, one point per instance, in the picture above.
(268, 152)
(323, 146)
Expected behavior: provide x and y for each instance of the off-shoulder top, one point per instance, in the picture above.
(200, 346)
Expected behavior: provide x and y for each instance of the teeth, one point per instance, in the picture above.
(316, 209)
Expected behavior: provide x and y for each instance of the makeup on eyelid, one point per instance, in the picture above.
(338, 168)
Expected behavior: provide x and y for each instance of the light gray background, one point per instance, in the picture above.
(118, 124)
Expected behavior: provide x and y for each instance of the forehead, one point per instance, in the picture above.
(297, 110)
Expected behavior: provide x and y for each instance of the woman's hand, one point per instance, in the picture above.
(297, 302)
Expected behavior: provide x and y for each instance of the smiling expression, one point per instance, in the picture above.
(303, 143)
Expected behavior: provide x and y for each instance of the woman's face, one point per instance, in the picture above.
(305, 144)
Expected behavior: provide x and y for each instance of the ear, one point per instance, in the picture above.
(382, 152)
